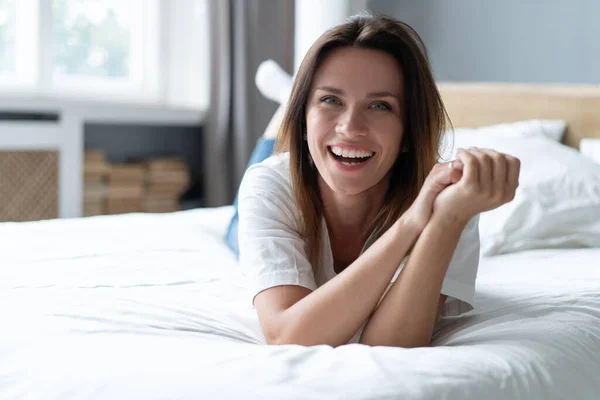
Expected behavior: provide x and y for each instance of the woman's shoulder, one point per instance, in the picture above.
(277, 163)
(269, 177)
(266, 192)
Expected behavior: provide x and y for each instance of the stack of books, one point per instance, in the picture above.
(95, 169)
(167, 178)
(125, 188)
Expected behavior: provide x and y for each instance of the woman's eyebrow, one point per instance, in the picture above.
(383, 94)
(340, 92)
(331, 89)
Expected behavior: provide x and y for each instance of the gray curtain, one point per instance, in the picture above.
(244, 33)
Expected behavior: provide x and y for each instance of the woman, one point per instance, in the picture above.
(327, 224)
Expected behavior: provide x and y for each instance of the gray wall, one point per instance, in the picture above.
(506, 41)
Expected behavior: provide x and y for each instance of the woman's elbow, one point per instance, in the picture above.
(297, 337)
(281, 336)
(283, 339)
(396, 341)
(276, 337)
(402, 344)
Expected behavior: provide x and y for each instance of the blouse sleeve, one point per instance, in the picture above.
(272, 251)
(459, 283)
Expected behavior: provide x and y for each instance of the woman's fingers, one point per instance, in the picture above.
(500, 170)
(499, 187)
(486, 170)
(512, 172)
(455, 165)
(470, 170)
(446, 173)
(484, 180)
(456, 171)
(490, 173)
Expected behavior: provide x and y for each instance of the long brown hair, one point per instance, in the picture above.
(424, 122)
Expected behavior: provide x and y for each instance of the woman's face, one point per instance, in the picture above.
(354, 118)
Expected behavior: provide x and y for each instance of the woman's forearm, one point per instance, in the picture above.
(334, 312)
(407, 313)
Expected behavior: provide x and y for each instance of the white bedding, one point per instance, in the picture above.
(153, 306)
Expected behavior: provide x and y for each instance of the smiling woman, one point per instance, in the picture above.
(354, 222)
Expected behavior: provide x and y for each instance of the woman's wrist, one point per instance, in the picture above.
(449, 220)
(407, 227)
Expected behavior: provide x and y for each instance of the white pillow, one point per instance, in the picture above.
(590, 148)
(557, 204)
(470, 137)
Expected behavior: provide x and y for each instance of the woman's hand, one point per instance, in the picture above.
(441, 176)
(489, 180)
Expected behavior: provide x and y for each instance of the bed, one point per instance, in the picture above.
(154, 306)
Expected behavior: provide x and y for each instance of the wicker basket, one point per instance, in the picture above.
(28, 185)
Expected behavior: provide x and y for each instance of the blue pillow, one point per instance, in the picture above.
(262, 151)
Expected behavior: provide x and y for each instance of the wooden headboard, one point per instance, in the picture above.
(472, 105)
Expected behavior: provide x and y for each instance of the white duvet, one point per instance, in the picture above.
(154, 307)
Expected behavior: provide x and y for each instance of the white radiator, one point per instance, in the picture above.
(64, 136)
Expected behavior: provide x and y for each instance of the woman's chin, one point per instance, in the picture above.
(347, 188)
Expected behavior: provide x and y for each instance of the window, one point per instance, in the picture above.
(95, 39)
(7, 36)
(17, 44)
(140, 51)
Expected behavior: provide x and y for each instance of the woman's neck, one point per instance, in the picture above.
(349, 216)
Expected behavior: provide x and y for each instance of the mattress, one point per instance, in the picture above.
(155, 306)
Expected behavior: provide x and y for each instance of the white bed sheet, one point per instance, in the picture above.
(154, 306)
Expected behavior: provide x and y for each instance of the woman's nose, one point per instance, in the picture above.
(352, 123)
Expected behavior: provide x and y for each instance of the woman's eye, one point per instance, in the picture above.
(330, 100)
(381, 106)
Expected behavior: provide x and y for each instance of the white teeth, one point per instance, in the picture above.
(338, 151)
